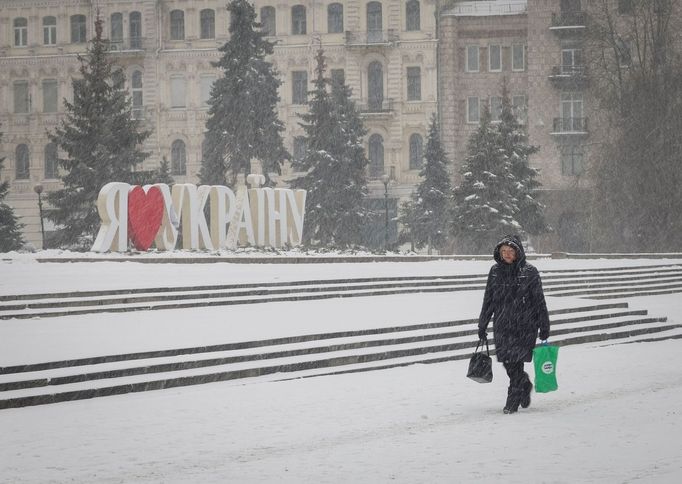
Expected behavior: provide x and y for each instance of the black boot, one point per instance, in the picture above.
(512, 405)
(527, 388)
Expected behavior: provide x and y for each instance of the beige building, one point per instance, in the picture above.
(535, 46)
(386, 51)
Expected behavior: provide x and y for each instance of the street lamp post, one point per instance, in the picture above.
(385, 179)
(39, 189)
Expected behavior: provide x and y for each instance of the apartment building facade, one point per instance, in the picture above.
(385, 50)
(535, 47)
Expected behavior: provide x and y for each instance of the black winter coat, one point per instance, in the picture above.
(515, 301)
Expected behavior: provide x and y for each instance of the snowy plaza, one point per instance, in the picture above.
(615, 417)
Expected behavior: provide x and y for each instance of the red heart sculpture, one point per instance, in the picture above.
(145, 212)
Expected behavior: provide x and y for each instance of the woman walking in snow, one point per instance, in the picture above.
(515, 301)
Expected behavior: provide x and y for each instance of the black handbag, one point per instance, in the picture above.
(481, 365)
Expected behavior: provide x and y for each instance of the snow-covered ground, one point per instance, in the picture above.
(615, 418)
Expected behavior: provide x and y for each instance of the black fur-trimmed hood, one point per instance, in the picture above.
(512, 241)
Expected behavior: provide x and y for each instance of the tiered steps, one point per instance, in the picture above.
(612, 283)
(302, 355)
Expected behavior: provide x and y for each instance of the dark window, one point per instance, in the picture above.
(135, 30)
(374, 22)
(50, 161)
(412, 15)
(116, 27)
(22, 100)
(338, 76)
(20, 32)
(335, 18)
(268, 20)
(136, 91)
(375, 86)
(22, 164)
(177, 25)
(376, 156)
(50, 95)
(79, 33)
(416, 151)
(299, 151)
(299, 87)
(49, 30)
(570, 5)
(207, 17)
(572, 158)
(178, 158)
(298, 25)
(414, 84)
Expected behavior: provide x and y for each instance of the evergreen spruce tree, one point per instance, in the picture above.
(101, 140)
(335, 164)
(163, 173)
(433, 195)
(484, 204)
(514, 141)
(243, 123)
(10, 228)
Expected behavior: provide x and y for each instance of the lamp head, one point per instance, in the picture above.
(38, 189)
(385, 179)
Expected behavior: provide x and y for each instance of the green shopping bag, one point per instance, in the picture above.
(544, 360)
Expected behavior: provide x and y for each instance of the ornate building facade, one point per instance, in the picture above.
(386, 50)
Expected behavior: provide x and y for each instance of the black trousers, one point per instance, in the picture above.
(517, 377)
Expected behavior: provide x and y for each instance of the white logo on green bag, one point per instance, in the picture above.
(547, 367)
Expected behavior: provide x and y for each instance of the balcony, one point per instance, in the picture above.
(383, 106)
(132, 44)
(569, 22)
(570, 126)
(371, 38)
(569, 76)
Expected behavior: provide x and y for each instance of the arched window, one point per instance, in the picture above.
(412, 15)
(135, 30)
(376, 156)
(335, 18)
(50, 161)
(20, 32)
(298, 25)
(207, 18)
(79, 33)
(375, 86)
(177, 25)
(374, 22)
(416, 151)
(50, 30)
(116, 36)
(178, 158)
(22, 163)
(268, 20)
(137, 94)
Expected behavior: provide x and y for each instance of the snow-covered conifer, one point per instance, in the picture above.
(10, 228)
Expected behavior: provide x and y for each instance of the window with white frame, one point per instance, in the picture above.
(22, 100)
(334, 18)
(49, 30)
(572, 111)
(518, 57)
(414, 84)
(472, 59)
(20, 32)
(299, 87)
(50, 161)
(79, 34)
(495, 108)
(178, 92)
(177, 25)
(206, 85)
(136, 88)
(473, 110)
(520, 108)
(412, 15)
(22, 166)
(50, 95)
(416, 151)
(268, 20)
(298, 20)
(495, 58)
(207, 21)
(571, 61)
(178, 158)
